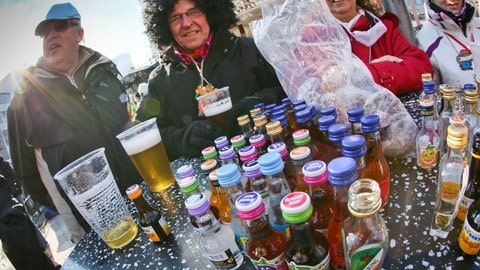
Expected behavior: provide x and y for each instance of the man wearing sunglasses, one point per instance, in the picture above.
(70, 103)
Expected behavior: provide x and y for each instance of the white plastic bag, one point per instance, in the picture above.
(312, 57)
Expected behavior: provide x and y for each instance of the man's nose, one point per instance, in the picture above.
(186, 21)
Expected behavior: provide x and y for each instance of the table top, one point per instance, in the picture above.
(408, 216)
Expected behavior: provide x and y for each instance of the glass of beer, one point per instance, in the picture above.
(216, 105)
(144, 145)
(90, 186)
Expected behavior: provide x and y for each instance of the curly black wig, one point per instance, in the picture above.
(220, 15)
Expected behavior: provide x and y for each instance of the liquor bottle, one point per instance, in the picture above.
(302, 137)
(354, 116)
(354, 146)
(305, 249)
(238, 142)
(229, 156)
(441, 90)
(271, 165)
(469, 237)
(292, 119)
(247, 153)
(342, 172)
(430, 93)
(300, 156)
(259, 125)
(305, 120)
(427, 139)
(336, 132)
(217, 241)
(324, 123)
(376, 165)
(315, 176)
(149, 218)
(472, 190)
(210, 152)
(259, 141)
(275, 132)
(449, 109)
(209, 166)
(221, 202)
(190, 186)
(288, 170)
(245, 126)
(229, 177)
(257, 181)
(472, 116)
(266, 246)
(365, 236)
(221, 142)
(451, 178)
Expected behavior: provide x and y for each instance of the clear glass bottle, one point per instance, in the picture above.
(300, 156)
(245, 126)
(365, 236)
(288, 170)
(257, 181)
(229, 156)
(449, 109)
(315, 176)
(150, 219)
(221, 202)
(430, 93)
(271, 165)
(342, 172)
(472, 190)
(217, 241)
(229, 177)
(189, 186)
(376, 165)
(452, 176)
(266, 246)
(259, 142)
(247, 153)
(305, 249)
(472, 116)
(427, 139)
(354, 116)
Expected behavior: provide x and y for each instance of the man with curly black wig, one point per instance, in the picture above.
(199, 51)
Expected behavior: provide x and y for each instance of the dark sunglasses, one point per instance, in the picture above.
(58, 26)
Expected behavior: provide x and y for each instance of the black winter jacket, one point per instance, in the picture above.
(232, 61)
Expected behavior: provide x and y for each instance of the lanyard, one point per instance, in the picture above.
(456, 40)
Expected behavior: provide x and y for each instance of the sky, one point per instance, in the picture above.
(112, 27)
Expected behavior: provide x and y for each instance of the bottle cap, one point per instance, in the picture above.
(247, 153)
(274, 128)
(354, 146)
(429, 87)
(134, 191)
(296, 207)
(281, 118)
(426, 107)
(213, 175)
(251, 168)
(355, 114)
(299, 102)
(197, 205)
(227, 152)
(280, 108)
(300, 153)
(336, 132)
(370, 123)
(250, 205)
(228, 175)
(243, 120)
(470, 96)
(313, 110)
(260, 120)
(469, 86)
(209, 164)
(457, 136)
(303, 116)
(278, 147)
(324, 122)
(221, 142)
(328, 111)
(426, 77)
(238, 141)
(257, 140)
(286, 101)
(209, 152)
(342, 171)
(188, 184)
(315, 172)
(255, 111)
(271, 163)
(456, 119)
(185, 170)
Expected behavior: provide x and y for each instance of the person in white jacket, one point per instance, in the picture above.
(451, 26)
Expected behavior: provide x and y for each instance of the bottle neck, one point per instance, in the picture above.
(303, 232)
(259, 228)
(207, 223)
(142, 204)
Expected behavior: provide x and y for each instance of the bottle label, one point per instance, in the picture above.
(463, 208)
(152, 233)
(367, 258)
(428, 155)
(224, 260)
(277, 263)
(469, 239)
(242, 238)
(323, 265)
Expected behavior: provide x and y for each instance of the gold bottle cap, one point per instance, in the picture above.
(471, 96)
(456, 119)
(254, 112)
(426, 77)
(260, 120)
(449, 93)
(457, 137)
(274, 128)
(441, 87)
(243, 120)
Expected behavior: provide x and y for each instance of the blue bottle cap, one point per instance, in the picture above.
(370, 123)
(354, 146)
(342, 171)
(271, 163)
(324, 122)
(286, 101)
(259, 105)
(328, 111)
(281, 118)
(355, 114)
(313, 110)
(429, 87)
(270, 106)
(469, 86)
(336, 132)
(303, 116)
(300, 107)
(299, 102)
(228, 175)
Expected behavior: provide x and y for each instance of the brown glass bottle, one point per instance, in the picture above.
(149, 218)
(468, 240)
(472, 191)
(220, 199)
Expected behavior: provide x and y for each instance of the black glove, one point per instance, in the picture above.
(241, 107)
(198, 135)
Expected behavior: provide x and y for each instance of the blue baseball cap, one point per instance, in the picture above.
(63, 11)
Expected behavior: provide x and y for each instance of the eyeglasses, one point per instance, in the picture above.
(58, 25)
(193, 13)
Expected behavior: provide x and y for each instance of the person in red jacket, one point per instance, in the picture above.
(393, 61)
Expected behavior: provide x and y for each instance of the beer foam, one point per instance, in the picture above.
(137, 144)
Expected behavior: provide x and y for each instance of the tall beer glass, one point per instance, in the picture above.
(216, 105)
(144, 145)
(90, 186)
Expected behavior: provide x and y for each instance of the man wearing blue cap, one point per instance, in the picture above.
(70, 103)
